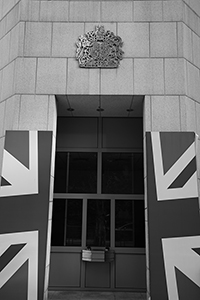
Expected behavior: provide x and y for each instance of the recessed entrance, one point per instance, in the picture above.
(98, 205)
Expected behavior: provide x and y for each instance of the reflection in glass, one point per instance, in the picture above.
(73, 222)
(75, 172)
(98, 223)
(129, 223)
(60, 181)
(58, 222)
(138, 173)
(82, 172)
(67, 222)
(122, 173)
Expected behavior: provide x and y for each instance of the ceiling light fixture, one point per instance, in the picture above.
(100, 109)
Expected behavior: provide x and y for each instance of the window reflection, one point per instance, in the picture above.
(67, 222)
(60, 182)
(98, 223)
(58, 222)
(129, 223)
(82, 172)
(75, 172)
(73, 222)
(122, 173)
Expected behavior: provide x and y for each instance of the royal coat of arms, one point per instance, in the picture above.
(99, 49)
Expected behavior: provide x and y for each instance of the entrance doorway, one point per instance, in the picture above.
(98, 205)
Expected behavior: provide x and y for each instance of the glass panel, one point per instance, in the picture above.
(58, 222)
(60, 182)
(138, 173)
(77, 132)
(82, 172)
(75, 172)
(122, 132)
(122, 173)
(129, 223)
(139, 223)
(98, 223)
(74, 222)
(67, 222)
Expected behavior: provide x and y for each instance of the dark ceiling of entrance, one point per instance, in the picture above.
(96, 105)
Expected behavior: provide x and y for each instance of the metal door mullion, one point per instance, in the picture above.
(99, 156)
(99, 173)
(67, 175)
(84, 222)
(112, 224)
(65, 223)
(112, 242)
(83, 243)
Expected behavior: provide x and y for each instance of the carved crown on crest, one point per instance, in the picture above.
(99, 49)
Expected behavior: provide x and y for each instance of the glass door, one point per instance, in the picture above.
(98, 223)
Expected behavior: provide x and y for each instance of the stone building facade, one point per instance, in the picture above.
(160, 68)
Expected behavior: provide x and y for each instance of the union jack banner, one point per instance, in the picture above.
(173, 216)
(24, 206)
